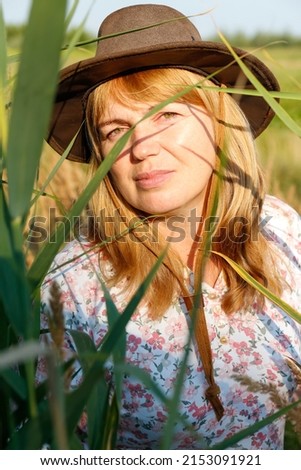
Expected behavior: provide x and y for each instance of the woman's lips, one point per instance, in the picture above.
(152, 179)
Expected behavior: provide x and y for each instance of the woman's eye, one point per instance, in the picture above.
(114, 133)
(168, 115)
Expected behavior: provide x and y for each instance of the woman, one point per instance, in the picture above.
(185, 179)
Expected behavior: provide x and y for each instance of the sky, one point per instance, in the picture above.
(228, 16)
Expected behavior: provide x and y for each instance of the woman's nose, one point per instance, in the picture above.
(144, 142)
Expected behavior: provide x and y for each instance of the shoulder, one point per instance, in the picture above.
(279, 209)
(74, 282)
(281, 226)
(78, 260)
(281, 223)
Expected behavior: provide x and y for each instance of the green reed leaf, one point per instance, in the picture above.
(32, 99)
(228, 443)
(263, 290)
(16, 307)
(3, 71)
(98, 402)
(281, 113)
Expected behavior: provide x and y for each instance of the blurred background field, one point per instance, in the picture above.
(279, 148)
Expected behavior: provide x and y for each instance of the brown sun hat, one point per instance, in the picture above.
(173, 43)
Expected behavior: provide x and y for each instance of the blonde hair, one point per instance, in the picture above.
(237, 194)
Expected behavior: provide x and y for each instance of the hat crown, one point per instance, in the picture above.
(161, 25)
(167, 39)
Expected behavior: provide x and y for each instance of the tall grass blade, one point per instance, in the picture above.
(77, 400)
(71, 12)
(292, 438)
(77, 33)
(29, 437)
(120, 344)
(281, 113)
(6, 242)
(98, 403)
(32, 100)
(286, 95)
(16, 383)
(56, 167)
(263, 290)
(16, 307)
(111, 424)
(3, 69)
(228, 443)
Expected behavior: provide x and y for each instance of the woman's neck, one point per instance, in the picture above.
(184, 236)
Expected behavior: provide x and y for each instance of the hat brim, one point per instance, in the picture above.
(205, 58)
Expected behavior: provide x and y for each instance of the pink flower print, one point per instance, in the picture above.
(136, 316)
(169, 382)
(274, 436)
(136, 390)
(147, 356)
(190, 391)
(139, 434)
(197, 411)
(173, 346)
(174, 328)
(258, 439)
(212, 335)
(186, 442)
(67, 301)
(131, 406)
(250, 400)
(257, 359)
(240, 368)
(242, 348)
(133, 343)
(270, 375)
(91, 292)
(145, 330)
(230, 411)
(161, 417)
(256, 414)
(149, 401)
(227, 358)
(219, 432)
(156, 340)
(249, 332)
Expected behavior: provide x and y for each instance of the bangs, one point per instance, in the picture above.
(150, 86)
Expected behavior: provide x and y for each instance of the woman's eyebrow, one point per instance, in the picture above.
(109, 122)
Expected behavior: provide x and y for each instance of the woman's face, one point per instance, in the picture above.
(168, 160)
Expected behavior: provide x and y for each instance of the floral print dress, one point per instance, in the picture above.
(252, 344)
